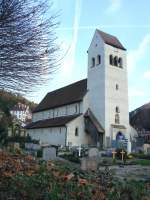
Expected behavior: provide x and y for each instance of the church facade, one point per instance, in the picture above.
(93, 111)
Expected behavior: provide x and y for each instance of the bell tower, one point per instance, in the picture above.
(108, 87)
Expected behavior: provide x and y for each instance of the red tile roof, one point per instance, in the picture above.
(111, 40)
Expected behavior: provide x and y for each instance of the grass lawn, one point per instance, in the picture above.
(143, 162)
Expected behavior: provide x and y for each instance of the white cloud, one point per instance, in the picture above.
(146, 74)
(136, 55)
(114, 6)
(133, 92)
(69, 60)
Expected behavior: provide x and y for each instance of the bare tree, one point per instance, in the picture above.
(28, 50)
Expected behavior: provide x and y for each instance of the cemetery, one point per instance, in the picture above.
(21, 174)
(93, 174)
(72, 172)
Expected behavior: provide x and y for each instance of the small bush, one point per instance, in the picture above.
(128, 190)
(140, 155)
(71, 158)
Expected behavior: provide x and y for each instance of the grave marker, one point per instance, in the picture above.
(93, 152)
(49, 153)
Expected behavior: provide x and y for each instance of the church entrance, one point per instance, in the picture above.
(120, 140)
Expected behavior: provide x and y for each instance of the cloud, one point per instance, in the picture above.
(146, 74)
(133, 92)
(114, 6)
(136, 55)
(92, 27)
(69, 60)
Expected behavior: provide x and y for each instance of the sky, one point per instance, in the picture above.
(128, 20)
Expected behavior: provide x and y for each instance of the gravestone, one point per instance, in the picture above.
(93, 152)
(49, 153)
(89, 164)
(146, 148)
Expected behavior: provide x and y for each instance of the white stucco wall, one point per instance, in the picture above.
(84, 105)
(66, 110)
(96, 79)
(82, 137)
(116, 98)
(53, 136)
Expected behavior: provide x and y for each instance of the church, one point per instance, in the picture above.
(92, 111)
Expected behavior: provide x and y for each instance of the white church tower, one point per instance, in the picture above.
(108, 87)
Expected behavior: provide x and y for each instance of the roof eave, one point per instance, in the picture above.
(122, 48)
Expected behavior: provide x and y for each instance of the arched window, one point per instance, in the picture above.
(116, 61)
(111, 60)
(117, 87)
(98, 59)
(117, 119)
(93, 62)
(117, 109)
(120, 62)
(120, 136)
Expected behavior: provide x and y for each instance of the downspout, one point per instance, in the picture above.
(79, 107)
(66, 136)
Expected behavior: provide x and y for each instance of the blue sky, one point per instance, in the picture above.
(129, 20)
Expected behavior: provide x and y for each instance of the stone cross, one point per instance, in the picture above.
(122, 154)
(79, 151)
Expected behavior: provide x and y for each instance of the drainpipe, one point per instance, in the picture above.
(66, 136)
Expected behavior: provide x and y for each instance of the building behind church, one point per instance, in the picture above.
(93, 111)
(22, 113)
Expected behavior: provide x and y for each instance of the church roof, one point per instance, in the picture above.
(111, 40)
(53, 122)
(93, 119)
(67, 95)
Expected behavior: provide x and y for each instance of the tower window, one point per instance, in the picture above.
(117, 109)
(98, 60)
(116, 61)
(117, 87)
(76, 132)
(117, 119)
(93, 62)
(111, 61)
(120, 62)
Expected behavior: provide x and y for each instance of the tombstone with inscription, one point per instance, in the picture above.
(49, 153)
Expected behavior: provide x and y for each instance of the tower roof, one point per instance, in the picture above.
(110, 40)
